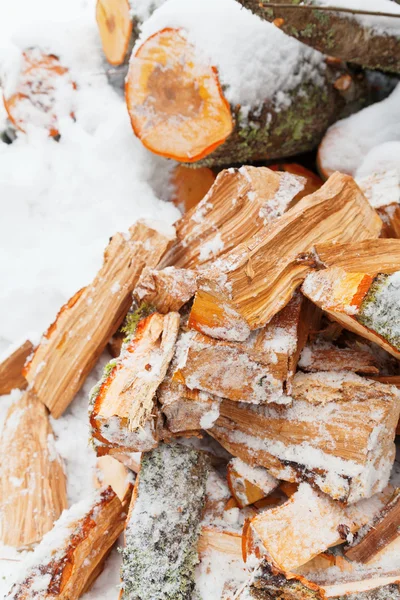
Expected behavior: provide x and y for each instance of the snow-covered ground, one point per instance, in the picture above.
(60, 202)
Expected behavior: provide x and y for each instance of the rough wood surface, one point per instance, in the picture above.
(326, 410)
(214, 538)
(254, 284)
(112, 472)
(11, 369)
(69, 559)
(239, 204)
(368, 256)
(167, 289)
(32, 479)
(73, 343)
(327, 357)
(160, 553)
(333, 33)
(249, 484)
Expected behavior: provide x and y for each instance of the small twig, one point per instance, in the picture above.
(352, 11)
(11, 559)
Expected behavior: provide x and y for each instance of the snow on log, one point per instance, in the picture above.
(71, 556)
(370, 41)
(324, 356)
(313, 439)
(41, 94)
(167, 289)
(203, 111)
(73, 343)
(256, 279)
(32, 479)
(124, 415)
(308, 523)
(111, 472)
(163, 526)
(190, 186)
(249, 484)
(11, 369)
(239, 204)
(347, 143)
(313, 182)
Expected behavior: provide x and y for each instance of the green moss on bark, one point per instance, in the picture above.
(380, 308)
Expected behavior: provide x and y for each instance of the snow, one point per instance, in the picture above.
(385, 25)
(379, 174)
(269, 65)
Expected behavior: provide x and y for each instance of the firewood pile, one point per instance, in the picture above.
(245, 426)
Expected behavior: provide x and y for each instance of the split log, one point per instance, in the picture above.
(166, 290)
(160, 554)
(313, 182)
(381, 531)
(239, 204)
(249, 484)
(32, 479)
(312, 440)
(71, 556)
(190, 186)
(34, 98)
(327, 357)
(347, 143)
(291, 534)
(369, 256)
(372, 42)
(124, 417)
(366, 304)
(11, 369)
(197, 112)
(258, 277)
(73, 343)
(110, 472)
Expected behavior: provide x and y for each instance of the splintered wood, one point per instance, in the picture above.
(166, 290)
(257, 278)
(32, 478)
(73, 343)
(124, 415)
(249, 484)
(72, 555)
(11, 369)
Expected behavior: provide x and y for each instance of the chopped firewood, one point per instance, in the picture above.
(32, 479)
(368, 256)
(382, 189)
(249, 484)
(190, 186)
(313, 182)
(36, 95)
(113, 473)
(257, 278)
(71, 556)
(240, 203)
(288, 488)
(388, 379)
(258, 370)
(73, 343)
(163, 527)
(381, 531)
(335, 33)
(123, 414)
(115, 344)
(181, 106)
(367, 304)
(307, 524)
(11, 369)
(327, 357)
(227, 542)
(166, 290)
(313, 439)
(116, 28)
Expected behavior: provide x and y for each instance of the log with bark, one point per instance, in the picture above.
(251, 283)
(32, 479)
(163, 525)
(293, 445)
(71, 556)
(73, 343)
(11, 369)
(197, 113)
(124, 415)
(239, 204)
(33, 98)
(371, 42)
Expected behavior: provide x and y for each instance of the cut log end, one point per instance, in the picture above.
(177, 112)
(115, 27)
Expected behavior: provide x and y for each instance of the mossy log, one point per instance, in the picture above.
(336, 34)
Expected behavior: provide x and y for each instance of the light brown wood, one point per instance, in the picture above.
(32, 478)
(368, 256)
(112, 472)
(68, 562)
(258, 277)
(309, 523)
(166, 290)
(190, 185)
(327, 357)
(239, 204)
(123, 414)
(313, 439)
(11, 369)
(73, 343)
(215, 538)
(249, 484)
